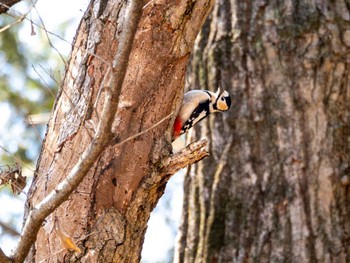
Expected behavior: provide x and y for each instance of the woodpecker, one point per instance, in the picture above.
(197, 105)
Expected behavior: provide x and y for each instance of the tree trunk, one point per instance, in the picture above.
(275, 188)
(107, 214)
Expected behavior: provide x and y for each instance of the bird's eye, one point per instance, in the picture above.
(222, 98)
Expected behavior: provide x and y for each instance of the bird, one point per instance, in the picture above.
(198, 104)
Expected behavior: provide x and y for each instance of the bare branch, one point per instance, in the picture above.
(9, 230)
(38, 119)
(19, 20)
(18, 160)
(48, 37)
(101, 139)
(20, 17)
(51, 75)
(147, 130)
(12, 176)
(193, 153)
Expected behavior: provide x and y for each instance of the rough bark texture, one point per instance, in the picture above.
(108, 213)
(276, 186)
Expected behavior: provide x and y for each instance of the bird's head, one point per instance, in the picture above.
(223, 100)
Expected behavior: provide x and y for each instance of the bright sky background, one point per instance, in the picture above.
(162, 227)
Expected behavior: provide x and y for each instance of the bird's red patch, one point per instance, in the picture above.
(177, 128)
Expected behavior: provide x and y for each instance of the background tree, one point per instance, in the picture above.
(276, 186)
(108, 213)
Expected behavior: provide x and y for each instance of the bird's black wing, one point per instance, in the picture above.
(197, 115)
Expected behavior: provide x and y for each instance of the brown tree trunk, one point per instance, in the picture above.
(5, 5)
(276, 186)
(107, 215)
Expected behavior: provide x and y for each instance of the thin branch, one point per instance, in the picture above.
(51, 74)
(147, 130)
(102, 137)
(30, 121)
(9, 230)
(20, 16)
(102, 86)
(47, 35)
(38, 119)
(19, 20)
(12, 176)
(18, 160)
(44, 81)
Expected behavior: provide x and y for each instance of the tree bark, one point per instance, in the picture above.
(5, 5)
(107, 214)
(276, 185)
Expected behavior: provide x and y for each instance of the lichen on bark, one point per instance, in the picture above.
(286, 67)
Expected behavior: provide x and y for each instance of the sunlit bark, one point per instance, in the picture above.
(107, 214)
(275, 188)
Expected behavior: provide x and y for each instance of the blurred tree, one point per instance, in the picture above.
(108, 212)
(276, 186)
(23, 92)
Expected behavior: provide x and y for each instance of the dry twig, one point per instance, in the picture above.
(12, 176)
(9, 230)
(193, 153)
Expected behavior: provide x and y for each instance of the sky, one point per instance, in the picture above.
(162, 227)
